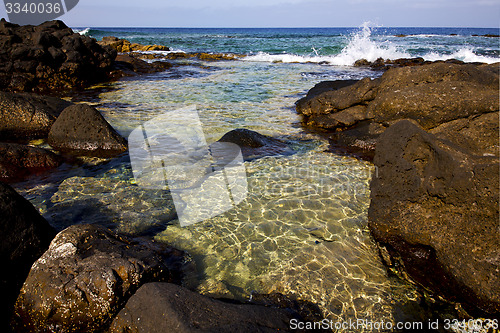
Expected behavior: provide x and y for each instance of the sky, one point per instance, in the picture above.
(282, 13)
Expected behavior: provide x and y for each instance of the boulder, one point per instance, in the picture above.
(27, 116)
(434, 205)
(49, 57)
(255, 145)
(165, 307)
(435, 94)
(86, 276)
(25, 237)
(82, 130)
(18, 161)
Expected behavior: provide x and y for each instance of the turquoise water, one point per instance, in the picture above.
(302, 230)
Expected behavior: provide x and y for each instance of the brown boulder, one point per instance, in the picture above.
(165, 307)
(85, 277)
(123, 45)
(82, 130)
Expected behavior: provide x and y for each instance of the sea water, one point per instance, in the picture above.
(302, 229)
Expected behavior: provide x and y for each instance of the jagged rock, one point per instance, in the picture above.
(254, 145)
(25, 236)
(123, 45)
(86, 276)
(24, 116)
(81, 129)
(18, 161)
(435, 205)
(165, 307)
(50, 56)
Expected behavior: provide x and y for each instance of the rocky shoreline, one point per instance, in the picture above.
(430, 128)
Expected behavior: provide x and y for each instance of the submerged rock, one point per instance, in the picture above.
(82, 130)
(25, 236)
(48, 57)
(434, 204)
(165, 307)
(130, 64)
(17, 161)
(85, 277)
(25, 116)
(255, 145)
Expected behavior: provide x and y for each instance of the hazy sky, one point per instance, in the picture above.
(283, 13)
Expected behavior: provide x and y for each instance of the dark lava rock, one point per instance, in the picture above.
(50, 56)
(18, 161)
(86, 276)
(435, 204)
(255, 145)
(432, 94)
(123, 45)
(26, 116)
(25, 236)
(82, 130)
(165, 307)
(130, 64)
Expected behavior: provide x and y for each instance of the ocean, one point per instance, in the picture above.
(302, 230)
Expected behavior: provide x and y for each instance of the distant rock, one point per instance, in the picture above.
(435, 205)
(87, 275)
(131, 64)
(123, 45)
(50, 57)
(165, 307)
(25, 236)
(82, 130)
(255, 145)
(18, 161)
(27, 116)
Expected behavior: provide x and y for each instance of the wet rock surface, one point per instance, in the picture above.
(85, 277)
(18, 161)
(123, 45)
(434, 204)
(255, 145)
(162, 307)
(27, 116)
(50, 57)
(25, 236)
(82, 130)
(431, 94)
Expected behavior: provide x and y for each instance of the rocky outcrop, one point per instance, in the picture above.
(50, 57)
(123, 45)
(165, 307)
(86, 276)
(18, 161)
(25, 236)
(81, 129)
(434, 205)
(130, 64)
(28, 116)
(255, 145)
(432, 95)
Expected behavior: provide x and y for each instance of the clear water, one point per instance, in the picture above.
(302, 230)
